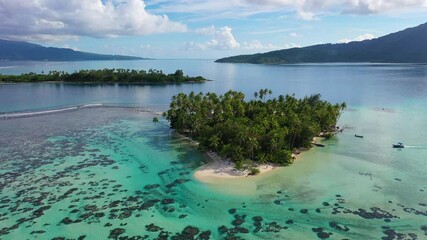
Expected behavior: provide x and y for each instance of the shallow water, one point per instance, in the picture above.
(72, 174)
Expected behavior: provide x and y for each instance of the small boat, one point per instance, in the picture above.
(318, 145)
(358, 136)
(398, 145)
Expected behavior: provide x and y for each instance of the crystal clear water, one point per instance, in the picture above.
(111, 172)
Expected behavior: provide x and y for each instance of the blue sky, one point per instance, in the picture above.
(207, 29)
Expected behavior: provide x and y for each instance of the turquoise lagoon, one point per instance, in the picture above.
(110, 172)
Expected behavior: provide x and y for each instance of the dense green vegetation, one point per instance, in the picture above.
(407, 46)
(23, 51)
(105, 76)
(262, 130)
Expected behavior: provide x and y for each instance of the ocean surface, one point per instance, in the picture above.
(108, 171)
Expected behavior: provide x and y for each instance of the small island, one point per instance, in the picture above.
(125, 76)
(251, 133)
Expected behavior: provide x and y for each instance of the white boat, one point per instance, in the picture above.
(398, 145)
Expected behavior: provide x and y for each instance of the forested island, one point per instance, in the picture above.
(104, 76)
(263, 130)
(406, 46)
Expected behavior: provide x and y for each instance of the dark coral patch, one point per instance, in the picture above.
(115, 233)
(151, 186)
(336, 226)
(222, 229)
(205, 235)
(168, 201)
(153, 228)
(232, 211)
(375, 213)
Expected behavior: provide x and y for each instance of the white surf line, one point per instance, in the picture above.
(6, 67)
(93, 105)
(28, 114)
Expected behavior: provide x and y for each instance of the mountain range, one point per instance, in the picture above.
(24, 51)
(406, 46)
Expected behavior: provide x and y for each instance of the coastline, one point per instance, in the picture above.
(219, 168)
(107, 83)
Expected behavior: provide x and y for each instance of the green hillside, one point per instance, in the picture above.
(407, 46)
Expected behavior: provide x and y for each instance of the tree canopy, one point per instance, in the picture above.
(261, 130)
(104, 76)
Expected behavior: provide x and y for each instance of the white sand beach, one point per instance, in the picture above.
(220, 168)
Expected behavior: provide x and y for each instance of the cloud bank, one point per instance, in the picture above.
(53, 19)
(221, 39)
(366, 36)
(257, 45)
(304, 9)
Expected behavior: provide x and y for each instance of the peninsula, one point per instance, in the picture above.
(407, 46)
(124, 76)
(251, 133)
(24, 51)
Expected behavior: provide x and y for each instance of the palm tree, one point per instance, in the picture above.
(215, 142)
(258, 130)
(253, 145)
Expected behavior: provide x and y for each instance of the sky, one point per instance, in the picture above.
(196, 29)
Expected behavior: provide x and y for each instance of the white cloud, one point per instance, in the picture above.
(70, 47)
(291, 45)
(294, 34)
(44, 19)
(40, 38)
(206, 30)
(305, 15)
(378, 6)
(366, 36)
(221, 39)
(307, 8)
(271, 31)
(304, 9)
(257, 45)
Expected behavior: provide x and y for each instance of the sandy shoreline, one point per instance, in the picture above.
(219, 168)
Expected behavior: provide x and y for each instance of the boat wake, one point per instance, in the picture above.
(415, 146)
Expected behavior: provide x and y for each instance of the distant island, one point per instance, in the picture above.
(24, 51)
(407, 46)
(104, 76)
(249, 133)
